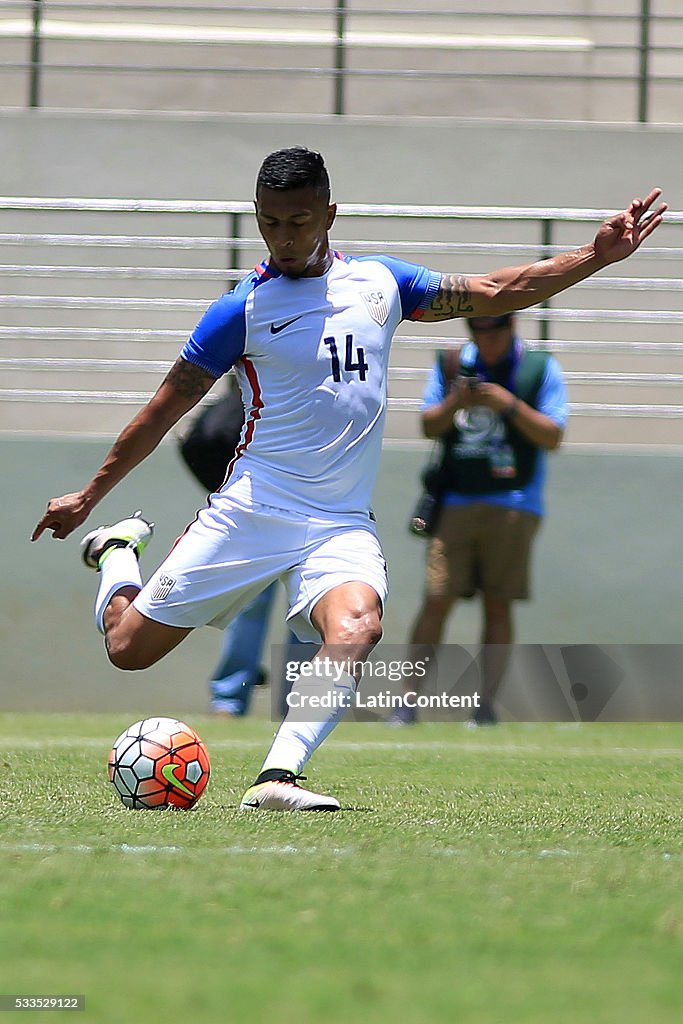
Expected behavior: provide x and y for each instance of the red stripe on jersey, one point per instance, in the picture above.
(254, 415)
(177, 541)
(263, 270)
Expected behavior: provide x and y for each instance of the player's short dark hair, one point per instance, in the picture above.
(293, 168)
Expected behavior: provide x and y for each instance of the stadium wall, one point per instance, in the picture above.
(401, 160)
(606, 573)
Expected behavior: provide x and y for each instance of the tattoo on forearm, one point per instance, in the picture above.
(188, 379)
(454, 297)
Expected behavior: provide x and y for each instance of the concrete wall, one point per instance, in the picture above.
(432, 160)
(606, 572)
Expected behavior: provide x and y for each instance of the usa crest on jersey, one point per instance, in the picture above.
(162, 588)
(377, 305)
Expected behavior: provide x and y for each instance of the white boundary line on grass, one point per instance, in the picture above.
(280, 850)
(127, 848)
(34, 743)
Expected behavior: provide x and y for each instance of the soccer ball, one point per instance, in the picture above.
(159, 762)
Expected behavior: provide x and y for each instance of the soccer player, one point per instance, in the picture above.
(308, 333)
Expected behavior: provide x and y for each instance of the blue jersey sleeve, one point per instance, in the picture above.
(417, 285)
(552, 395)
(218, 340)
(435, 390)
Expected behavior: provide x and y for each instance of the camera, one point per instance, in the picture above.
(423, 522)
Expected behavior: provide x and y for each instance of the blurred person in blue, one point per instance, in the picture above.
(495, 408)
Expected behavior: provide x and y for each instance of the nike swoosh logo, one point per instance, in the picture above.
(168, 772)
(250, 803)
(276, 328)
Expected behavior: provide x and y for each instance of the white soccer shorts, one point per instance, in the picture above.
(231, 552)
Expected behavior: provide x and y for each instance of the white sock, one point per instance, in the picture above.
(117, 570)
(296, 740)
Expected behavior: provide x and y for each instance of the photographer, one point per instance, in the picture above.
(495, 417)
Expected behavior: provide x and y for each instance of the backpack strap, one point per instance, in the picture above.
(530, 374)
(449, 364)
(532, 371)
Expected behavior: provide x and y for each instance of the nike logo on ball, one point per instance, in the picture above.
(168, 772)
(276, 328)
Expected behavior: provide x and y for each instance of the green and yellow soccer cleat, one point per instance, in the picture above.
(134, 532)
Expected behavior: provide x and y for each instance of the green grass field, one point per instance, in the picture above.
(529, 873)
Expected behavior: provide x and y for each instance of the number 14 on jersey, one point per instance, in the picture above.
(350, 365)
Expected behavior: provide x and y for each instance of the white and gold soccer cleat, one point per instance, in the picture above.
(277, 790)
(134, 532)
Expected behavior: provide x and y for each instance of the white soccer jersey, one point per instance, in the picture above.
(311, 356)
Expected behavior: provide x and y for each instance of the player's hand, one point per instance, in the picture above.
(619, 236)
(63, 516)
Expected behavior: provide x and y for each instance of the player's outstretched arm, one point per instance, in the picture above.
(179, 392)
(512, 288)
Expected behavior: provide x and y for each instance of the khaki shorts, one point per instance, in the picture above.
(481, 547)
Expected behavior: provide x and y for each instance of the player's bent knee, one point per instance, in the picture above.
(136, 642)
(363, 630)
(374, 632)
(351, 616)
(127, 656)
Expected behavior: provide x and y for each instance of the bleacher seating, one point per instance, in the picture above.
(99, 297)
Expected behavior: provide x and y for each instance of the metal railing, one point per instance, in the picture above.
(116, 302)
(334, 33)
